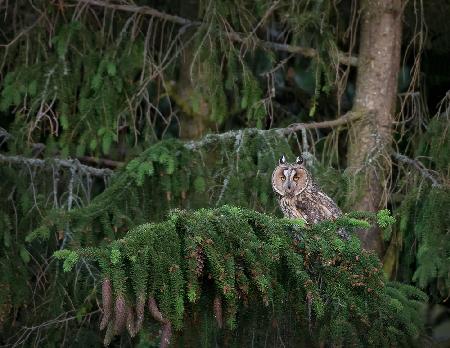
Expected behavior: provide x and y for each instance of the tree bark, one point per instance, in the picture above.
(376, 88)
(193, 123)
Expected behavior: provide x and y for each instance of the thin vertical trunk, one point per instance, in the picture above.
(376, 89)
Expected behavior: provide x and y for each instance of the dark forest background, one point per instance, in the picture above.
(118, 113)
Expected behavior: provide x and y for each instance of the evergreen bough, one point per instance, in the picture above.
(238, 261)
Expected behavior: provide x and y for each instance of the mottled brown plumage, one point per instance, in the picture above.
(300, 197)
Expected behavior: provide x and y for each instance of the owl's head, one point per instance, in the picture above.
(290, 179)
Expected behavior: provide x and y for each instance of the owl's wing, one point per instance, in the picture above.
(328, 206)
(317, 205)
(327, 202)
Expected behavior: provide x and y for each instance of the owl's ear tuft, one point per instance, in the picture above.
(299, 160)
(282, 160)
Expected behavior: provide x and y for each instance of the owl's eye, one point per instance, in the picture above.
(296, 178)
(283, 178)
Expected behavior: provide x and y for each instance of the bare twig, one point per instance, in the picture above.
(238, 37)
(295, 127)
(4, 136)
(419, 166)
(24, 333)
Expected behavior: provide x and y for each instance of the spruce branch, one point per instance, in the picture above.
(295, 127)
(308, 52)
(247, 251)
(190, 145)
(340, 121)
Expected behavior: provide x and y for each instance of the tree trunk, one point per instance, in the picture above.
(376, 89)
(193, 123)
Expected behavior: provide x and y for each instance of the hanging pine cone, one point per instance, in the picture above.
(154, 311)
(109, 334)
(140, 308)
(107, 302)
(217, 306)
(120, 314)
(131, 326)
(166, 335)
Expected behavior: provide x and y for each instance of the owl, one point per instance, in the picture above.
(300, 197)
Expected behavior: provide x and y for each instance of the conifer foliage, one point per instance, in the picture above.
(234, 167)
(245, 259)
(423, 215)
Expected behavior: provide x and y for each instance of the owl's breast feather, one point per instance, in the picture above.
(289, 208)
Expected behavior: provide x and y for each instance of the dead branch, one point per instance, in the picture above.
(238, 37)
(424, 171)
(22, 33)
(340, 121)
(101, 161)
(69, 163)
(145, 10)
(190, 145)
(295, 127)
(24, 333)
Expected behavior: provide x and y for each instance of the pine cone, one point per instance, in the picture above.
(107, 302)
(154, 311)
(218, 311)
(131, 327)
(166, 335)
(109, 334)
(140, 308)
(120, 314)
